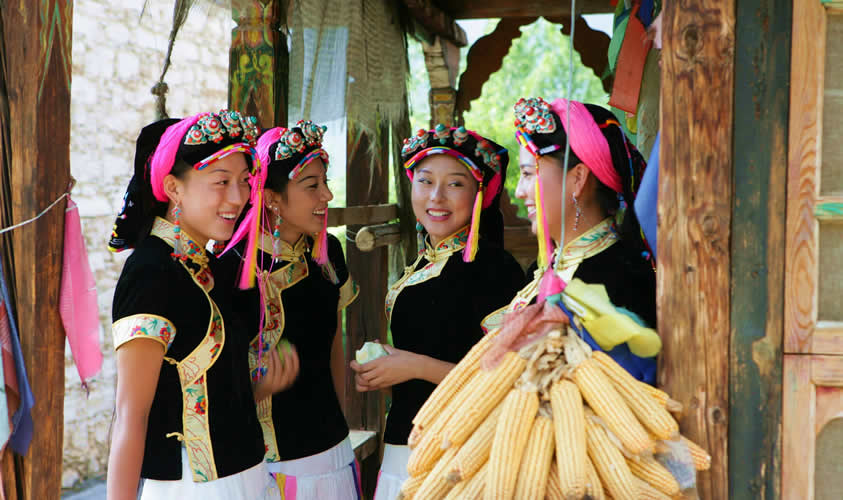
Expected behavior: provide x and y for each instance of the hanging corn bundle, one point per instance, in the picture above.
(533, 412)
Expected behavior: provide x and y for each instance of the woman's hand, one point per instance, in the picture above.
(279, 375)
(386, 371)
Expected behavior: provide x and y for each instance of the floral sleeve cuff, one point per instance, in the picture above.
(143, 326)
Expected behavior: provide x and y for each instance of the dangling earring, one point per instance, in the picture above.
(276, 235)
(219, 246)
(176, 212)
(419, 236)
(578, 212)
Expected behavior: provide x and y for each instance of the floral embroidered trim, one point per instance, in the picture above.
(348, 293)
(437, 258)
(139, 326)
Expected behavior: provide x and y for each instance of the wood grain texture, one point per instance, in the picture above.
(695, 192)
(798, 413)
(827, 338)
(367, 214)
(762, 70)
(829, 208)
(827, 371)
(37, 42)
(805, 132)
(405, 253)
(259, 62)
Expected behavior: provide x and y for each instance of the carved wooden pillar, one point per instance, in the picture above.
(259, 61)
(442, 59)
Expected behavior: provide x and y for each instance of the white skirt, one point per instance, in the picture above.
(330, 475)
(251, 484)
(393, 471)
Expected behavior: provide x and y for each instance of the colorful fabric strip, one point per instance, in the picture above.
(316, 153)
(438, 150)
(240, 147)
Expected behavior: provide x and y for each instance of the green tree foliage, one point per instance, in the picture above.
(537, 65)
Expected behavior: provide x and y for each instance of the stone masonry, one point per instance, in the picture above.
(117, 58)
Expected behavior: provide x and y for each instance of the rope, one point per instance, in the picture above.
(43, 212)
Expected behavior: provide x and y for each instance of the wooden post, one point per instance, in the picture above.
(442, 59)
(37, 38)
(401, 130)
(365, 318)
(695, 193)
(762, 71)
(259, 62)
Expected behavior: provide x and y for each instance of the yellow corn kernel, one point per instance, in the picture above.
(514, 423)
(655, 474)
(654, 416)
(475, 451)
(473, 488)
(598, 392)
(647, 492)
(457, 378)
(593, 486)
(410, 487)
(553, 491)
(569, 430)
(610, 464)
(437, 485)
(702, 460)
(494, 386)
(415, 437)
(657, 394)
(535, 464)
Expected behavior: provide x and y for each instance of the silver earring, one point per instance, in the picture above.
(578, 212)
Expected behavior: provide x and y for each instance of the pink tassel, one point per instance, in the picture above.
(320, 247)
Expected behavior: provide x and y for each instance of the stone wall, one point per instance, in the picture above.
(117, 57)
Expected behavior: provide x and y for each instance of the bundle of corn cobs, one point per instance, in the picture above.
(553, 420)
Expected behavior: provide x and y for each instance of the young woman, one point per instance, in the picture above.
(184, 416)
(603, 172)
(462, 274)
(302, 287)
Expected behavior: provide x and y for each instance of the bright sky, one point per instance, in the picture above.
(474, 28)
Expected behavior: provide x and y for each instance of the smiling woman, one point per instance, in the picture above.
(173, 303)
(461, 276)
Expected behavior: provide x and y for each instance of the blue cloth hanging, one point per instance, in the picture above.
(647, 200)
(22, 425)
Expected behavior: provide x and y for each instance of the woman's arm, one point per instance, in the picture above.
(399, 366)
(138, 367)
(338, 361)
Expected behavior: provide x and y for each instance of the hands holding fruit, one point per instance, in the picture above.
(282, 368)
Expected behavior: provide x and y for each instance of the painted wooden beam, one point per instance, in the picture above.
(762, 73)
(37, 42)
(695, 194)
(259, 63)
(483, 9)
(829, 209)
(436, 21)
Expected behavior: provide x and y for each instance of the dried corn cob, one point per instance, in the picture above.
(593, 486)
(415, 437)
(516, 419)
(411, 486)
(609, 463)
(535, 464)
(451, 384)
(429, 447)
(437, 485)
(602, 397)
(655, 474)
(659, 395)
(569, 430)
(553, 491)
(654, 417)
(475, 486)
(494, 386)
(647, 492)
(475, 451)
(702, 460)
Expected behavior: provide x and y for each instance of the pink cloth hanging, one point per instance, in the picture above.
(78, 299)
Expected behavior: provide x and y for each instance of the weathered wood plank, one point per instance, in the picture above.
(364, 443)
(371, 237)
(695, 191)
(365, 318)
(367, 214)
(483, 9)
(827, 338)
(829, 208)
(806, 95)
(827, 371)
(437, 22)
(406, 253)
(762, 64)
(259, 62)
(798, 412)
(37, 39)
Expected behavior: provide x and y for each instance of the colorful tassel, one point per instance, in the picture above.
(320, 246)
(545, 244)
(247, 277)
(474, 233)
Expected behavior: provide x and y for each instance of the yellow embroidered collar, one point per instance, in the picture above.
(164, 229)
(436, 256)
(281, 250)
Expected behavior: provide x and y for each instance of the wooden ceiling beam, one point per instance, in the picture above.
(481, 9)
(436, 21)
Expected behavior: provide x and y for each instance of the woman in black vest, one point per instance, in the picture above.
(185, 418)
(462, 275)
